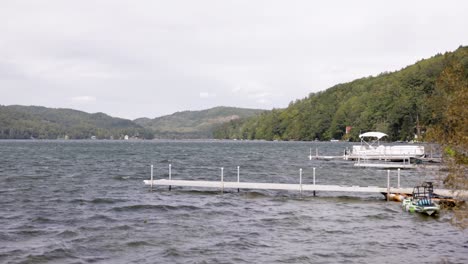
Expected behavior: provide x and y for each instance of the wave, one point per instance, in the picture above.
(161, 208)
(98, 217)
(171, 252)
(67, 234)
(106, 201)
(138, 244)
(42, 220)
(120, 178)
(51, 256)
(98, 201)
(255, 195)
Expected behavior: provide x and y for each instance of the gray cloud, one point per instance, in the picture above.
(149, 58)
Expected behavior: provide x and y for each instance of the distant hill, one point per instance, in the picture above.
(194, 124)
(401, 104)
(24, 122)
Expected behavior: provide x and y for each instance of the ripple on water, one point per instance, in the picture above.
(155, 207)
(87, 200)
(134, 244)
(67, 234)
(53, 255)
(106, 201)
(172, 252)
(101, 217)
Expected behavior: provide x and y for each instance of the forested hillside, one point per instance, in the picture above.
(398, 103)
(194, 124)
(24, 122)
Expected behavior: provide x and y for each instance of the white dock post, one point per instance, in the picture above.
(151, 177)
(300, 180)
(313, 181)
(170, 171)
(222, 180)
(398, 178)
(314, 177)
(238, 177)
(310, 154)
(170, 175)
(388, 185)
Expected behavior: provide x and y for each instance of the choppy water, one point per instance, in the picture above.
(84, 202)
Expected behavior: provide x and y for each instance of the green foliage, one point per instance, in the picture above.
(395, 103)
(25, 122)
(195, 124)
(449, 120)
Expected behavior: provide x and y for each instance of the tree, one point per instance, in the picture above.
(450, 129)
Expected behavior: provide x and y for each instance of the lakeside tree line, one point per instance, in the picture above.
(26, 122)
(401, 104)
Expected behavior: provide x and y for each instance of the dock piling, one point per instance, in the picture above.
(151, 177)
(388, 185)
(238, 177)
(222, 180)
(398, 183)
(313, 177)
(300, 180)
(314, 180)
(170, 175)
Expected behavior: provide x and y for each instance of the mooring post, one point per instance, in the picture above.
(151, 177)
(222, 180)
(310, 153)
(313, 181)
(170, 175)
(170, 171)
(388, 185)
(398, 184)
(238, 176)
(300, 180)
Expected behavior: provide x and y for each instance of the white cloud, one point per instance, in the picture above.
(243, 53)
(84, 99)
(205, 95)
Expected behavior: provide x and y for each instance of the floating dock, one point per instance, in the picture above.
(385, 165)
(292, 187)
(274, 186)
(300, 187)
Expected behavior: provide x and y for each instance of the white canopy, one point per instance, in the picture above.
(377, 135)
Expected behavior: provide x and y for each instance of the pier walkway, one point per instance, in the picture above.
(222, 185)
(300, 187)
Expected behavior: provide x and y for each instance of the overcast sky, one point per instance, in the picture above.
(150, 58)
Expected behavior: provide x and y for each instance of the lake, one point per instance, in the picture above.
(85, 202)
